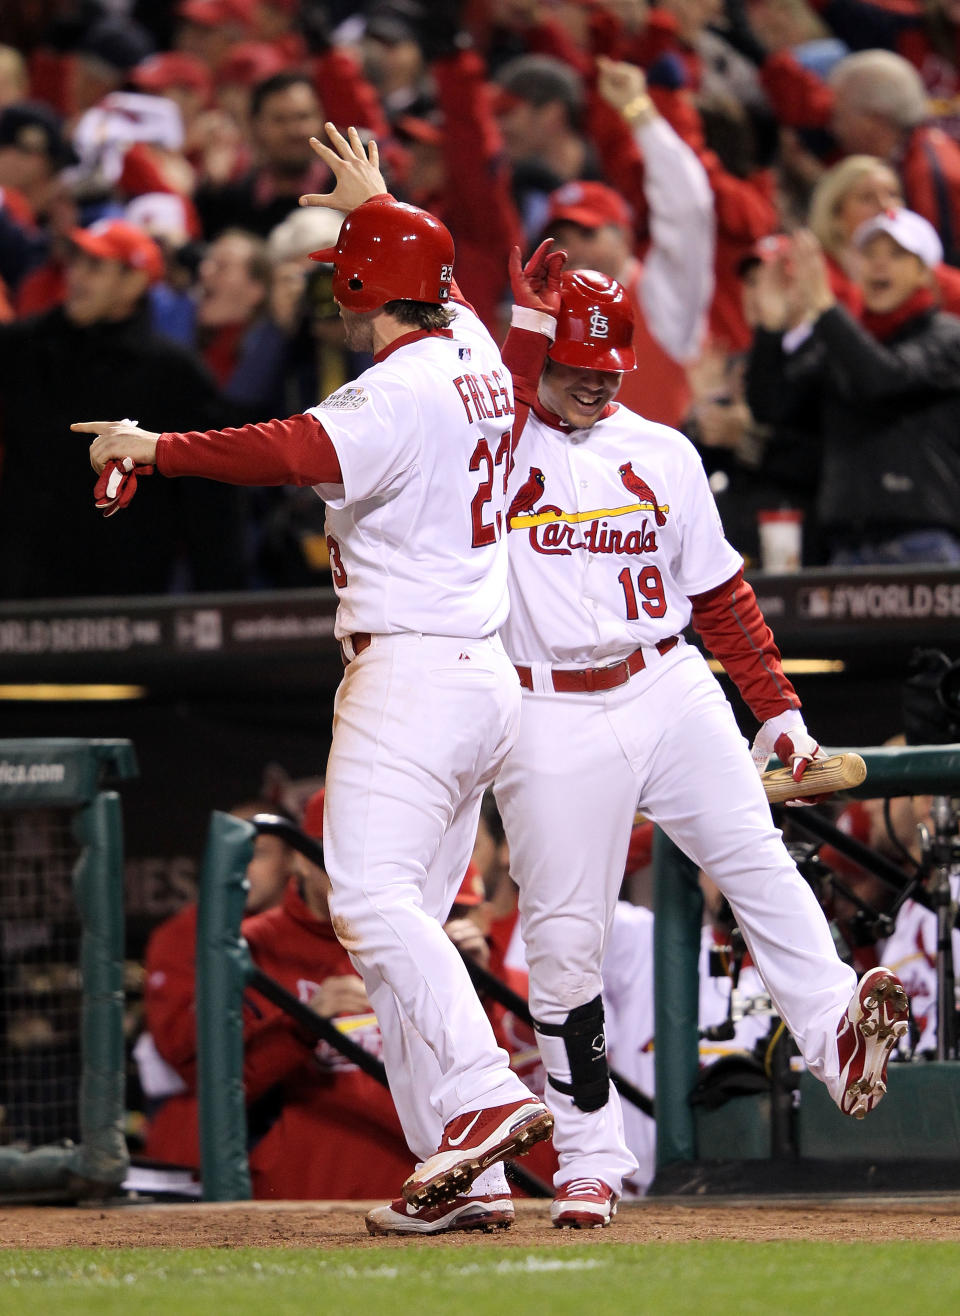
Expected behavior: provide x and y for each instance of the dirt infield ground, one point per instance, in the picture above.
(331, 1225)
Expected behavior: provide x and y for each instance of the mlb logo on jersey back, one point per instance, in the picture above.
(350, 398)
(599, 325)
(463, 353)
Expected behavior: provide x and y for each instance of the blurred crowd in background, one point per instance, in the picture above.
(154, 259)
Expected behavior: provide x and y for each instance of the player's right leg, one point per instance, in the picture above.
(479, 1140)
(567, 798)
(414, 1072)
(414, 1076)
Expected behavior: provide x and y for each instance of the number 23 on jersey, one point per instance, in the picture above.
(486, 529)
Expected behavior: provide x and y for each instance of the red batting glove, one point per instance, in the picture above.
(536, 285)
(117, 484)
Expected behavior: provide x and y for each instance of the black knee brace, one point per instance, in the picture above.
(582, 1033)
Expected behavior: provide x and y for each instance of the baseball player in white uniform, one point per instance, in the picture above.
(615, 546)
(911, 951)
(411, 460)
(629, 1021)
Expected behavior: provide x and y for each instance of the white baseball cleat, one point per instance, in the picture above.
(875, 1020)
(583, 1204)
(463, 1213)
(473, 1141)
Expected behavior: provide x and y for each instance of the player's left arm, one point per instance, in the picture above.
(727, 617)
(729, 621)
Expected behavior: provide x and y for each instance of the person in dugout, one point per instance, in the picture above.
(318, 1127)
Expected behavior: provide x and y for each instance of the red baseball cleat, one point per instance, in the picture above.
(875, 1020)
(473, 1141)
(463, 1213)
(583, 1204)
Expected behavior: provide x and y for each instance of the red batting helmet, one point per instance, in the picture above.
(388, 251)
(595, 324)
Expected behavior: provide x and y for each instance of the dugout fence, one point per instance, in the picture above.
(62, 1061)
(911, 1141)
(830, 1151)
(224, 969)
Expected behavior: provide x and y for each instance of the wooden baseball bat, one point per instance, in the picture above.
(839, 772)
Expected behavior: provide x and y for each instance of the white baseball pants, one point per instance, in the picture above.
(667, 743)
(421, 726)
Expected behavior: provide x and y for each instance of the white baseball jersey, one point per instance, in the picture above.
(611, 530)
(417, 530)
(911, 951)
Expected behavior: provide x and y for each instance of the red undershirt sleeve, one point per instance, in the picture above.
(524, 353)
(729, 621)
(294, 451)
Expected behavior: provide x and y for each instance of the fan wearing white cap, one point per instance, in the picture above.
(899, 250)
(884, 390)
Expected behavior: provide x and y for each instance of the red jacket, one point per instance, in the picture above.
(475, 204)
(346, 95)
(746, 209)
(335, 1133)
(930, 170)
(169, 992)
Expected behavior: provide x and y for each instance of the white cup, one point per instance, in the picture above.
(781, 538)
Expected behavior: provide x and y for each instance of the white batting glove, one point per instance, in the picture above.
(786, 736)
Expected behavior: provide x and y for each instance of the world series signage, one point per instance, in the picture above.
(845, 613)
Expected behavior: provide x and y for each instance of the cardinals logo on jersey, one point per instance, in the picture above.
(528, 495)
(552, 530)
(636, 485)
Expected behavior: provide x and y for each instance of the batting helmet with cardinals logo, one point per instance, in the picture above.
(388, 251)
(595, 324)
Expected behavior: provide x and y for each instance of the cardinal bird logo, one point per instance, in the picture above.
(527, 496)
(633, 482)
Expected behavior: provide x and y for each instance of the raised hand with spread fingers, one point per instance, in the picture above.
(355, 167)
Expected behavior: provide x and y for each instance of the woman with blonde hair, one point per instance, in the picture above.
(852, 191)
